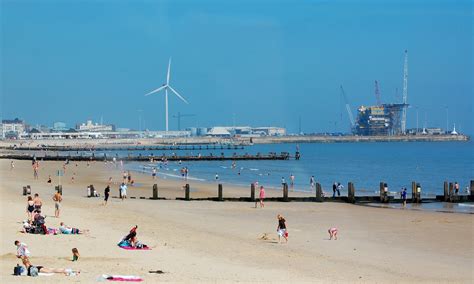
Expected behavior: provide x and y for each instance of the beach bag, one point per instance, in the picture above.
(18, 270)
(123, 243)
(286, 234)
(33, 271)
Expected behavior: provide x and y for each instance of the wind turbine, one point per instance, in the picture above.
(167, 86)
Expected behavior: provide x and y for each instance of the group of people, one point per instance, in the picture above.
(23, 253)
(184, 173)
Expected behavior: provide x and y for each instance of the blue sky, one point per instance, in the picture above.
(260, 62)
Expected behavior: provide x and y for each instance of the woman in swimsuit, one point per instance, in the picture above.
(42, 269)
(30, 207)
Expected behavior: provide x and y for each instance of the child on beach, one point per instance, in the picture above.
(332, 233)
(281, 229)
(75, 254)
(262, 197)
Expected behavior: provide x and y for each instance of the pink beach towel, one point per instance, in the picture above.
(132, 248)
(123, 278)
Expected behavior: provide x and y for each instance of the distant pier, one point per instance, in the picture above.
(148, 158)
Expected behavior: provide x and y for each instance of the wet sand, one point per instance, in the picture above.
(203, 241)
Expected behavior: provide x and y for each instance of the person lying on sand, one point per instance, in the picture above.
(34, 270)
(64, 229)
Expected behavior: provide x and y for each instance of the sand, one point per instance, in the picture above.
(205, 241)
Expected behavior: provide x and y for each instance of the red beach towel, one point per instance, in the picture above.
(122, 278)
(132, 248)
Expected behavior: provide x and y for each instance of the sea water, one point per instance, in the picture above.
(364, 164)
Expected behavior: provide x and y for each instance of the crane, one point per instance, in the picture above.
(405, 93)
(179, 116)
(377, 93)
(348, 108)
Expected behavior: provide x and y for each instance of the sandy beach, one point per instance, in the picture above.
(204, 241)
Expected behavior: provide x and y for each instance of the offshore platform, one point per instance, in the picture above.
(381, 119)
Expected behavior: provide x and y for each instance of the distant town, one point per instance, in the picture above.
(18, 129)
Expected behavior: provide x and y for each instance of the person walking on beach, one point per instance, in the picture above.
(456, 187)
(12, 165)
(57, 198)
(281, 229)
(35, 170)
(334, 187)
(404, 197)
(283, 180)
(123, 191)
(311, 182)
(261, 196)
(106, 194)
(292, 181)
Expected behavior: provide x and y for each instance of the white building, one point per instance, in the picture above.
(59, 126)
(13, 127)
(94, 127)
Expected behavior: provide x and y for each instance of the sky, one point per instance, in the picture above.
(258, 63)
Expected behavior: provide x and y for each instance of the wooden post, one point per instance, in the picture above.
(186, 196)
(155, 191)
(285, 192)
(319, 192)
(219, 192)
(451, 192)
(351, 192)
(28, 190)
(382, 195)
(413, 191)
(24, 190)
(252, 192)
(418, 193)
(446, 192)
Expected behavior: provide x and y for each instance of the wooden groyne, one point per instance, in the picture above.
(86, 148)
(318, 196)
(141, 158)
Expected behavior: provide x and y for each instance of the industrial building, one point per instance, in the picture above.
(385, 119)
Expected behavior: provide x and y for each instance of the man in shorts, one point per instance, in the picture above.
(57, 198)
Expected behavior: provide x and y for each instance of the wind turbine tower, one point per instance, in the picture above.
(167, 86)
(405, 93)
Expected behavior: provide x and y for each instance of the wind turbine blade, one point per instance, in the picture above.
(157, 90)
(168, 74)
(179, 96)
